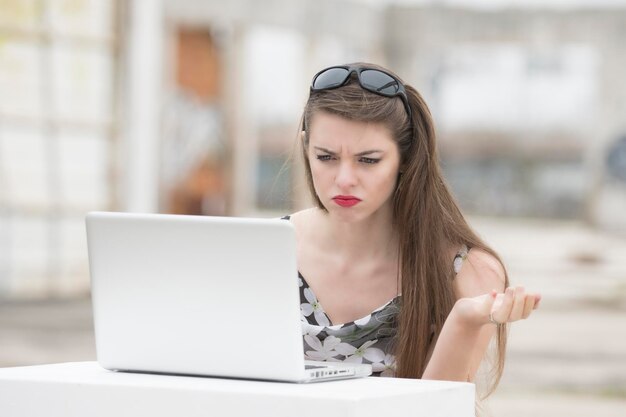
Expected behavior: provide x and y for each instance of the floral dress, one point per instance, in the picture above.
(366, 340)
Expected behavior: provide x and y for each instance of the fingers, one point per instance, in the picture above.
(529, 305)
(537, 299)
(488, 303)
(498, 300)
(489, 300)
(515, 305)
(518, 304)
(502, 312)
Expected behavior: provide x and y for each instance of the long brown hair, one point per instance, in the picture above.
(426, 216)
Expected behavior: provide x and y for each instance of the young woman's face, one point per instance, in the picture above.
(354, 165)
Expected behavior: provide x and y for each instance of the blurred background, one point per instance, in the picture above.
(182, 106)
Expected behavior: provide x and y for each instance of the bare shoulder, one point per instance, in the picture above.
(303, 218)
(480, 273)
(483, 260)
(305, 222)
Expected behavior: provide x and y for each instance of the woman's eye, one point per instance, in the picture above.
(324, 157)
(370, 160)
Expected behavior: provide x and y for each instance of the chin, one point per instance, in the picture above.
(350, 215)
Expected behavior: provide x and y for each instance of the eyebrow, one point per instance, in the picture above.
(358, 154)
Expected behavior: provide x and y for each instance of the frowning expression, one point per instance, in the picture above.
(354, 165)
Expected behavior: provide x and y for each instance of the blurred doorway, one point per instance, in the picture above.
(194, 153)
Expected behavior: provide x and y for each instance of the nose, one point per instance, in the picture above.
(346, 176)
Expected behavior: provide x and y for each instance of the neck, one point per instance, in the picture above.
(373, 237)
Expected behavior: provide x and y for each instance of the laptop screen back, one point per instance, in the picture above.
(195, 295)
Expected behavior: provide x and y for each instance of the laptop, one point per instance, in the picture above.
(200, 295)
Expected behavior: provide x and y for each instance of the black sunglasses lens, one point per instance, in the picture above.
(331, 78)
(380, 82)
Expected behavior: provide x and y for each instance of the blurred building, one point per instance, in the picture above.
(58, 138)
(182, 106)
(529, 105)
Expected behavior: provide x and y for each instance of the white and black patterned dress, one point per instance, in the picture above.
(366, 340)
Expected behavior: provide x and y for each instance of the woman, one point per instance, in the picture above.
(404, 282)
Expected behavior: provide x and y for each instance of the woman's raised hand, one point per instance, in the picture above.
(515, 304)
(497, 308)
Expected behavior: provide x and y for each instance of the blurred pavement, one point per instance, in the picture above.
(569, 358)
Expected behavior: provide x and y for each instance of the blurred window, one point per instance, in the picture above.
(511, 87)
(57, 84)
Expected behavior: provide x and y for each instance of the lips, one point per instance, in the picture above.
(346, 200)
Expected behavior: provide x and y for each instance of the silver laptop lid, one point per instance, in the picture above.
(195, 295)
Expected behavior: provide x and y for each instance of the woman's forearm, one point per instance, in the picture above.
(455, 350)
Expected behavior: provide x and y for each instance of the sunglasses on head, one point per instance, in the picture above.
(374, 80)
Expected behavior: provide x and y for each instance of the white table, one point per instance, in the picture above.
(83, 389)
